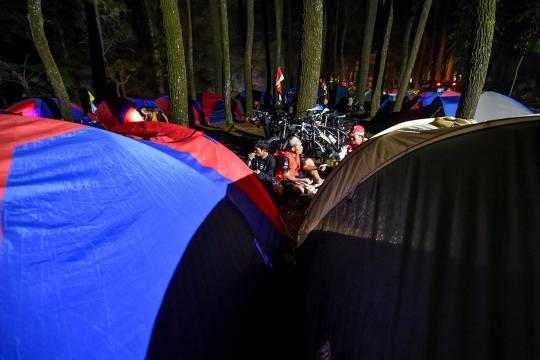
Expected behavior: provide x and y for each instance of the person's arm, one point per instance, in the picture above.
(289, 177)
(249, 160)
(268, 172)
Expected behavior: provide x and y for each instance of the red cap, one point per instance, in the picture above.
(357, 130)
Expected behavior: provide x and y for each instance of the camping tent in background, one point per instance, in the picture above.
(213, 107)
(45, 107)
(116, 248)
(196, 115)
(258, 98)
(493, 106)
(425, 245)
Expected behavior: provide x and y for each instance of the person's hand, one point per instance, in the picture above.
(251, 156)
(308, 181)
(257, 172)
(322, 167)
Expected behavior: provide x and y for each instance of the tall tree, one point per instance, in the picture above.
(377, 89)
(226, 62)
(189, 58)
(290, 68)
(279, 27)
(412, 56)
(151, 35)
(176, 63)
(217, 49)
(35, 17)
(311, 53)
(97, 56)
(475, 76)
(365, 57)
(342, 75)
(335, 65)
(442, 42)
(406, 39)
(248, 84)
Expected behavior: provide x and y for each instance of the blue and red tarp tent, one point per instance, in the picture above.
(113, 247)
(45, 107)
(213, 107)
(196, 115)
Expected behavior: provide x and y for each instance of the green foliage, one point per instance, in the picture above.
(528, 22)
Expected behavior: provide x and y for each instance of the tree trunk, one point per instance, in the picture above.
(226, 62)
(377, 90)
(97, 56)
(342, 75)
(335, 70)
(279, 27)
(365, 58)
(218, 51)
(515, 75)
(406, 40)
(38, 34)
(311, 54)
(247, 57)
(412, 57)
(479, 61)
(420, 64)
(442, 43)
(190, 73)
(450, 67)
(151, 37)
(291, 69)
(176, 64)
(268, 56)
(324, 64)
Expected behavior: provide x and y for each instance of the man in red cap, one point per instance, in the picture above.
(356, 137)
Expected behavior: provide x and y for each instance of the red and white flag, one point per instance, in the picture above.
(279, 79)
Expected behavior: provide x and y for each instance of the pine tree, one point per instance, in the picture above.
(176, 64)
(35, 17)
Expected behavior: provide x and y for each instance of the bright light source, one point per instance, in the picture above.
(438, 84)
(454, 84)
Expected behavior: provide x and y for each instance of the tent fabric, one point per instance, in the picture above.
(213, 107)
(112, 247)
(492, 106)
(375, 153)
(44, 107)
(427, 247)
(196, 115)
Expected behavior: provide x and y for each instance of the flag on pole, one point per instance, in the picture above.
(279, 79)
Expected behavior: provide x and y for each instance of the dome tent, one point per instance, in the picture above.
(424, 245)
(45, 107)
(117, 248)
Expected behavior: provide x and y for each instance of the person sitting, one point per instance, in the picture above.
(263, 164)
(292, 169)
(355, 138)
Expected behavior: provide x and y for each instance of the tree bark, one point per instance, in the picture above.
(226, 62)
(190, 73)
(311, 54)
(279, 27)
(365, 58)
(515, 75)
(450, 67)
(420, 64)
(406, 40)
(335, 68)
(479, 61)
(342, 75)
(176, 64)
(247, 57)
(151, 31)
(35, 17)
(442, 43)
(218, 51)
(97, 56)
(377, 90)
(412, 57)
(291, 69)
